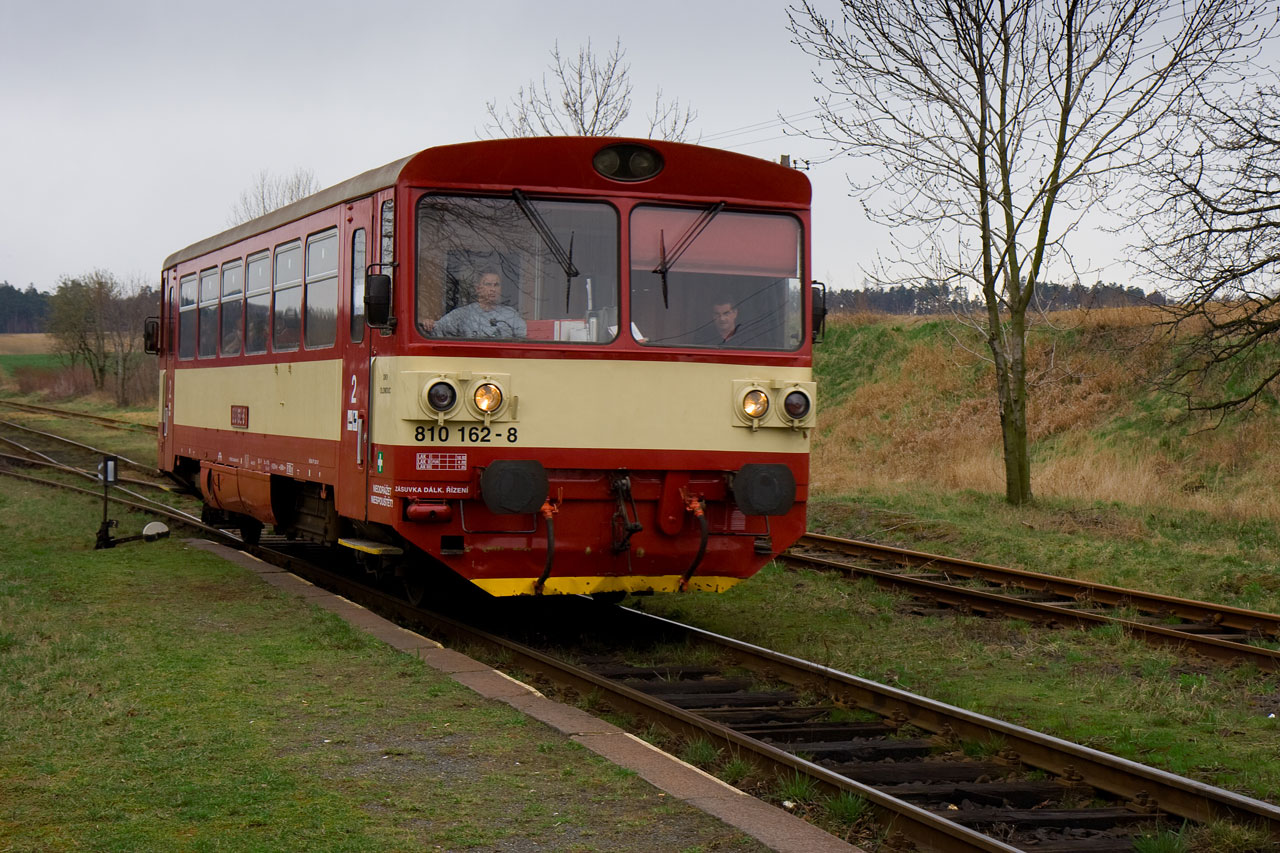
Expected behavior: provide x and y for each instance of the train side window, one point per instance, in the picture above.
(258, 303)
(388, 234)
(232, 308)
(208, 313)
(286, 329)
(187, 304)
(358, 262)
(321, 327)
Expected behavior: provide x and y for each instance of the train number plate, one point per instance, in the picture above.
(466, 434)
(239, 417)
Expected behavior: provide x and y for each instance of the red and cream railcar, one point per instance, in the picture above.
(552, 365)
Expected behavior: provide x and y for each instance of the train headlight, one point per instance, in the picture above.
(796, 404)
(627, 161)
(440, 396)
(755, 403)
(487, 397)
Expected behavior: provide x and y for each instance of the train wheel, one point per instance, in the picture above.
(251, 531)
(415, 587)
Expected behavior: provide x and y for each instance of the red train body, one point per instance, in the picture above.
(550, 365)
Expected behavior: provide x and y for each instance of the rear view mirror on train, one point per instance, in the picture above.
(377, 301)
(151, 335)
(819, 310)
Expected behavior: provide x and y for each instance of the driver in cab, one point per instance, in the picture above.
(486, 317)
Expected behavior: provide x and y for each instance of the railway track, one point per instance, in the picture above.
(936, 777)
(102, 420)
(1218, 632)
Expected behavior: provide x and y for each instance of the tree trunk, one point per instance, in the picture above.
(1011, 388)
(120, 375)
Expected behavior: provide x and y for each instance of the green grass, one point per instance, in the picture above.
(9, 363)
(158, 698)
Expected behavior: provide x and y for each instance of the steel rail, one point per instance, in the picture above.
(1156, 604)
(1147, 788)
(123, 459)
(1001, 604)
(996, 604)
(49, 462)
(1131, 780)
(920, 825)
(142, 504)
(104, 420)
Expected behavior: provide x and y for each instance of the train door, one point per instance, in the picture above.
(353, 456)
(168, 357)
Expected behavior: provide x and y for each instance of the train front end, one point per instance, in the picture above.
(596, 376)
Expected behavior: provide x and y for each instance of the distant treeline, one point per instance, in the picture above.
(28, 310)
(22, 311)
(934, 298)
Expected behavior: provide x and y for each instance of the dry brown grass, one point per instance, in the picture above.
(933, 421)
(36, 344)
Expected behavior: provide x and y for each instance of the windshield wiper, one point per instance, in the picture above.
(686, 240)
(565, 259)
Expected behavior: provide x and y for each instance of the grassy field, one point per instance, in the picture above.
(34, 344)
(158, 698)
(1129, 492)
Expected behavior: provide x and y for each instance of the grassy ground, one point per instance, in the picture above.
(157, 698)
(1129, 492)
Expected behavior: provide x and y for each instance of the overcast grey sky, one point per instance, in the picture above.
(130, 127)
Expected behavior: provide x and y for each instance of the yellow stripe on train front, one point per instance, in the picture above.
(590, 585)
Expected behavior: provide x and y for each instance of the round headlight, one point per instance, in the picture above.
(796, 404)
(607, 162)
(441, 396)
(644, 163)
(488, 397)
(627, 161)
(755, 403)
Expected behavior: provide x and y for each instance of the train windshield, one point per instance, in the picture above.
(516, 268)
(707, 277)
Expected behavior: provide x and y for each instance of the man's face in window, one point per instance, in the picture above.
(488, 291)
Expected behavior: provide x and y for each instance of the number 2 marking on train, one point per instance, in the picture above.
(353, 389)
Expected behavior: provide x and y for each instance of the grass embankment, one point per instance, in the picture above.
(1130, 493)
(158, 698)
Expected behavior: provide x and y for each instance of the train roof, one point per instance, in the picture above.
(543, 162)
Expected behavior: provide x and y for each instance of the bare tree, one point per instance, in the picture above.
(97, 321)
(122, 321)
(997, 124)
(76, 321)
(1212, 230)
(270, 192)
(587, 96)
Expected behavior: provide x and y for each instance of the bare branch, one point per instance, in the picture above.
(587, 95)
(269, 192)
